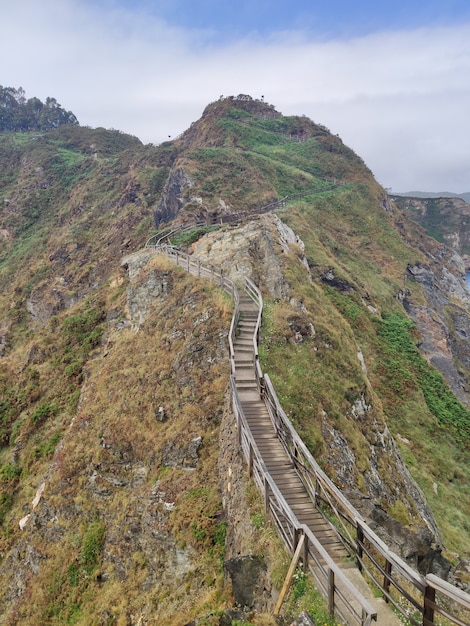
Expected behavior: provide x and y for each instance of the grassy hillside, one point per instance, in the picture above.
(360, 311)
(108, 379)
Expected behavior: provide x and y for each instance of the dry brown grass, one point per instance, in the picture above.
(115, 441)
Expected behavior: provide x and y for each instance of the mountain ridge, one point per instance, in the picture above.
(104, 367)
(434, 194)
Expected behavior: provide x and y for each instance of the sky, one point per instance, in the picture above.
(390, 78)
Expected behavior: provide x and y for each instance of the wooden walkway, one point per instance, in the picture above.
(281, 469)
(274, 455)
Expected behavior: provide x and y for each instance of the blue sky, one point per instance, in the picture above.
(317, 19)
(391, 78)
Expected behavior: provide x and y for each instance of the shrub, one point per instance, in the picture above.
(6, 503)
(43, 411)
(10, 473)
(92, 545)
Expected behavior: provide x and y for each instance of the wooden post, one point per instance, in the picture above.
(331, 592)
(305, 555)
(359, 551)
(387, 576)
(297, 534)
(199, 267)
(250, 460)
(290, 573)
(428, 609)
(266, 496)
(317, 494)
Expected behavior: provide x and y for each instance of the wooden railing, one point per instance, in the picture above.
(419, 599)
(330, 579)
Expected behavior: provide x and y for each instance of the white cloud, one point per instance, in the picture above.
(399, 99)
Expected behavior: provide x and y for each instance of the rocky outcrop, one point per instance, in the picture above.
(175, 194)
(384, 460)
(444, 321)
(254, 249)
(416, 545)
(147, 285)
(447, 219)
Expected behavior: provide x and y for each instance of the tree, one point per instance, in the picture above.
(19, 114)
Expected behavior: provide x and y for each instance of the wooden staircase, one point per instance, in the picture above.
(270, 447)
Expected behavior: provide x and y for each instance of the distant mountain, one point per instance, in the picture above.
(433, 194)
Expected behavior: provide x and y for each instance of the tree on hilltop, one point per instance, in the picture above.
(18, 114)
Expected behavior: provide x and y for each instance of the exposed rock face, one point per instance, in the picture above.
(248, 575)
(415, 545)
(175, 194)
(384, 461)
(146, 285)
(254, 250)
(446, 218)
(444, 321)
(232, 479)
(182, 456)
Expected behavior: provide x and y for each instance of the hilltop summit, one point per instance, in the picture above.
(242, 154)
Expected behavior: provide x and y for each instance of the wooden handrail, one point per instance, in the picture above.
(159, 238)
(322, 561)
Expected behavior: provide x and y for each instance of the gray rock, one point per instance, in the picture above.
(247, 574)
(304, 619)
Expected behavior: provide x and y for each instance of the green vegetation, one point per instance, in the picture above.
(43, 411)
(402, 368)
(81, 333)
(92, 545)
(6, 503)
(185, 239)
(19, 114)
(10, 473)
(47, 448)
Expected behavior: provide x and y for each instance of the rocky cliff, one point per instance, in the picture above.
(446, 219)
